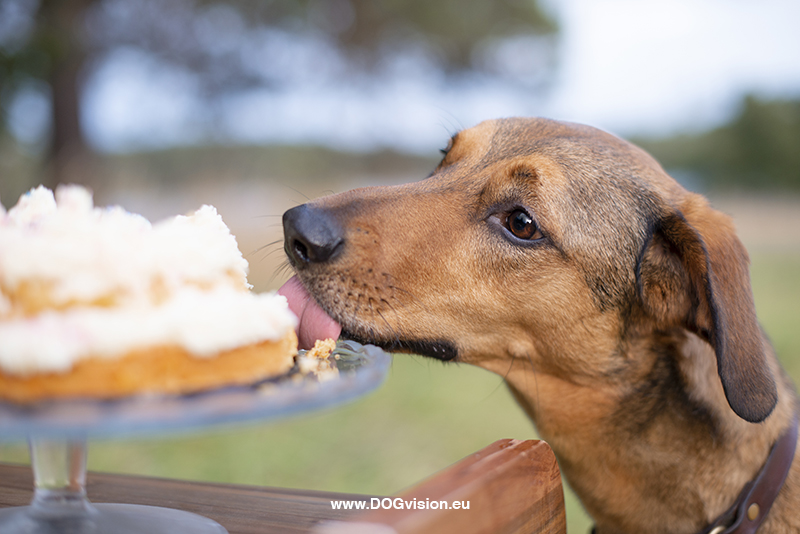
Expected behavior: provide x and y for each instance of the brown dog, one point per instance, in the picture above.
(616, 304)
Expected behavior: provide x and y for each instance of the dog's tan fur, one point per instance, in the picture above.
(626, 329)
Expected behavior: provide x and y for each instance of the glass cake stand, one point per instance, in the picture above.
(58, 432)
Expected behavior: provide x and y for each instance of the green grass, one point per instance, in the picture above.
(425, 417)
(776, 288)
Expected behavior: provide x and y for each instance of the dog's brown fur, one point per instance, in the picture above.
(625, 328)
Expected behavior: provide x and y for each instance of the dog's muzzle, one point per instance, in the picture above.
(314, 237)
(311, 235)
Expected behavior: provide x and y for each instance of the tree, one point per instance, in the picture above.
(56, 44)
(757, 148)
(51, 54)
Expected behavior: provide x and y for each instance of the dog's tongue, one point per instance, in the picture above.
(314, 323)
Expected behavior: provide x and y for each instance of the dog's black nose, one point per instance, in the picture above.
(311, 235)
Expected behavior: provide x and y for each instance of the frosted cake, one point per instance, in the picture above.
(99, 302)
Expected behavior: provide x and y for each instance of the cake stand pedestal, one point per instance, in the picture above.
(60, 506)
(58, 433)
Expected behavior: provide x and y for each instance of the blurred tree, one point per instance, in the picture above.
(51, 47)
(758, 149)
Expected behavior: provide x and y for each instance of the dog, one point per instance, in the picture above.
(616, 304)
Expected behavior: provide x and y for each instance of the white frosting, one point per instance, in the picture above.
(86, 253)
(202, 322)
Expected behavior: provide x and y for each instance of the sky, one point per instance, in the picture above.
(662, 66)
(632, 67)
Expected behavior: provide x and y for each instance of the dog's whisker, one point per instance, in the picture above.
(388, 304)
(395, 335)
(500, 383)
(270, 253)
(510, 366)
(454, 125)
(414, 297)
(375, 310)
(280, 271)
(535, 381)
(259, 249)
(306, 197)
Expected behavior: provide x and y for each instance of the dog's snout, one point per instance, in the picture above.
(311, 235)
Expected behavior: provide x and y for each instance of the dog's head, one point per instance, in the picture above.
(540, 241)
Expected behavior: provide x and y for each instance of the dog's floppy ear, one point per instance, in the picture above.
(693, 271)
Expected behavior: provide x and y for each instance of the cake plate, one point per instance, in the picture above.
(58, 432)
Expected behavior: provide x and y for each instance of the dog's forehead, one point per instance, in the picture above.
(586, 158)
(510, 138)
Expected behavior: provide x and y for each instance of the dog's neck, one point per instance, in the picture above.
(614, 441)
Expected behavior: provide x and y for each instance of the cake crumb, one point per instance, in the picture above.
(322, 348)
(316, 361)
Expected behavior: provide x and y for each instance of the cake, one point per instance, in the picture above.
(100, 303)
(317, 360)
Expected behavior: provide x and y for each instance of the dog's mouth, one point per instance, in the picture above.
(439, 350)
(315, 323)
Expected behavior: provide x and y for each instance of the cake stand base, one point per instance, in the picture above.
(60, 506)
(107, 518)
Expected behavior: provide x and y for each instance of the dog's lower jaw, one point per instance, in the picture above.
(436, 349)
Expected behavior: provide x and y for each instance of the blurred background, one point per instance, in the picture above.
(255, 106)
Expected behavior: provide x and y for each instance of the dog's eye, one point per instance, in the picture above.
(522, 225)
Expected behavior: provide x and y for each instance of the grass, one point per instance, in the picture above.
(776, 289)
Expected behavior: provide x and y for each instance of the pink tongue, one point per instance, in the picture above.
(314, 322)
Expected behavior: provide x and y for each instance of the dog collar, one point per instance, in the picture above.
(755, 500)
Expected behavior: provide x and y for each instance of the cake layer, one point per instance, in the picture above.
(155, 370)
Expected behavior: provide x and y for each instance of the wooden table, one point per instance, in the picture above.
(512, 486)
